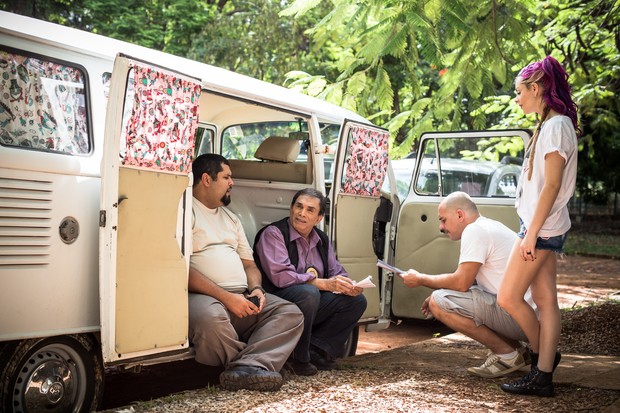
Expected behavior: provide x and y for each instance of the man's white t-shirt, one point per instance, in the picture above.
(489, 243)
(219, 244)
(556, 135)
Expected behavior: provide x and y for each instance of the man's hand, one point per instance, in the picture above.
(412, 278)
(425, 310)
(337, 285)
(261, 297)
(240, 306)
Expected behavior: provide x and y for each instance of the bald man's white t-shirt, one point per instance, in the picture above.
(489, 243)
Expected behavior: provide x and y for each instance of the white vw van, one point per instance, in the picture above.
(96, 142)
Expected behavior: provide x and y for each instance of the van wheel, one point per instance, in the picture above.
(54, 374)
(350, 346)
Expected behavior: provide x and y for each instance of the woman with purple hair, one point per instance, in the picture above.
(547, 183)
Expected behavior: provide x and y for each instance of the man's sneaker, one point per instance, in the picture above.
(494, 366)
(250, 378)
(535, 383)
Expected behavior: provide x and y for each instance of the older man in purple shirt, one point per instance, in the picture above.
(298, 264)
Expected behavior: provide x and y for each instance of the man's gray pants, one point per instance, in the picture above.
(481, 307)
(263, 340)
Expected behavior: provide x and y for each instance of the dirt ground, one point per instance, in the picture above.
(416, 366)
(581, 280)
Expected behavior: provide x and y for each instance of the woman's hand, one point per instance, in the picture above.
(528, 247)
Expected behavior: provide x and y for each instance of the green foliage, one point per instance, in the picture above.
(445, 51)
(410, 65)
(460, 59)
(600, 245)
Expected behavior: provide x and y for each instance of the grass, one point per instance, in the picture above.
(592, 244)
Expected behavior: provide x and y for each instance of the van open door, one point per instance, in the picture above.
(484, 164)
(145, 217)
(361, 167)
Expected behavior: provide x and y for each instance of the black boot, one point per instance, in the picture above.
(536, 383)
(556, 359)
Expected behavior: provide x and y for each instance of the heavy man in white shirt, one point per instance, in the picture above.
(252, 340)
(472, 309)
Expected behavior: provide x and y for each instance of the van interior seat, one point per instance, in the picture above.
(278, 149)
(276, 162)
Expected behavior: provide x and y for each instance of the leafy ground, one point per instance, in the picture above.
(431, 376)
(592, 330)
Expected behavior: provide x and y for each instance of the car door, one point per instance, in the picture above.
(486, 165)
(145, 215)
(361, 167)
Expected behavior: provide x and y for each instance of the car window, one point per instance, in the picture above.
(43, 104)
(488, 167)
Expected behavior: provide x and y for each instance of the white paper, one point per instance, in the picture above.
(365, 283)
(389, 267)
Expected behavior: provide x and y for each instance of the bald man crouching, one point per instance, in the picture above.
(469, 308)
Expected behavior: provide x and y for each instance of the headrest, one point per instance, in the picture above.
(278, 148)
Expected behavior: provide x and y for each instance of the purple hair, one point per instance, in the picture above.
(552, 78)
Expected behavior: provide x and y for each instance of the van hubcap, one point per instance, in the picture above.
(46, 383)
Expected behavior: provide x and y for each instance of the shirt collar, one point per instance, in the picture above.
(294, 235)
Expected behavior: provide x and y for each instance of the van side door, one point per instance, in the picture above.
(484, 164)
(145, 217)
(361, 167)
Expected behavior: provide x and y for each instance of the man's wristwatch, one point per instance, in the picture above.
(258, 287)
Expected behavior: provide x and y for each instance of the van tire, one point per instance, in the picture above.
(350, 346)
(69, 366)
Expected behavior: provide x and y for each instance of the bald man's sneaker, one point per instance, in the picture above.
(495, 366)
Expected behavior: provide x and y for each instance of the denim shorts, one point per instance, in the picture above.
(555, 244)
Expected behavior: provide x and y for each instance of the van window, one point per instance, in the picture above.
(487, 167)
(242, 141)
(43, 104)
(204, 141)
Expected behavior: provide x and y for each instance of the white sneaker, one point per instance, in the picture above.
(494, 366)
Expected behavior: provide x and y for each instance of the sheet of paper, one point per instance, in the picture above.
(389, 267)
(365, 283)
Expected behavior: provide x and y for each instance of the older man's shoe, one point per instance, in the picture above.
(300, 368)
(322, 360)
(250, 378)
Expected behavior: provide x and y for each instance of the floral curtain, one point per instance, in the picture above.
(366, 163)
(159, 134)
(42, 105)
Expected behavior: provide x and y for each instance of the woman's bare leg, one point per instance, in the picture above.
(544, 292)
(518, 277)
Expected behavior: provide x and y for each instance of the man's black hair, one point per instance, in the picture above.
(208, 163)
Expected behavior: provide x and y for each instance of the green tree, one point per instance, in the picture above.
(417, 66)
(250, 37)
(168, 25)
